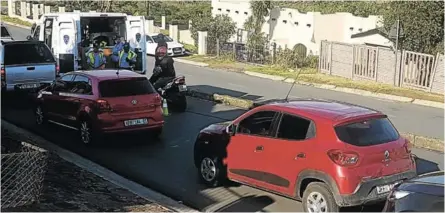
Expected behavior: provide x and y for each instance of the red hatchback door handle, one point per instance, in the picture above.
(259, 149)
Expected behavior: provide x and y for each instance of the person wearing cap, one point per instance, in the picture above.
(126, 57)
(165, 63)
(95, 58)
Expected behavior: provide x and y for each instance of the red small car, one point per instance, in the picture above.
(101, 101)
(326, 154)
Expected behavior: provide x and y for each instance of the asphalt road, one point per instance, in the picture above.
(407, 117)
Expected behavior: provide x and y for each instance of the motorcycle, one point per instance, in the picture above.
(174, 92)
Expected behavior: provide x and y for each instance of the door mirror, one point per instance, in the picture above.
(231, 129)
(29, 38)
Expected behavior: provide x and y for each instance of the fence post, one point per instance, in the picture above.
(274, 53)
(330, 58)
(47, 9)
(23, 9)
(436, 61)
(217, 47)
(41, 6)
(61, 9)
(28, 9)
(163, 23)
(35, 12)
(233, 50)
(202, 42)
(10, 8)
(353, 62)
(377, 52)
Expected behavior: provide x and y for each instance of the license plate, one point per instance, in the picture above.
(385, 188)
(182, 88)
(29, 86)
(136, 122)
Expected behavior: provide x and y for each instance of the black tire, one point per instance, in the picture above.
(219, 175)
(87, 135)
(39, 115)
(316, 189)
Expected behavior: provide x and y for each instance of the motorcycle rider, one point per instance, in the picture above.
(165, 63)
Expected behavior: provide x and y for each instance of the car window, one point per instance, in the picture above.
(36, 33)
(27, 53)
(5, 32)
(63, 84)
(259, 123)
(148, 39)
(367, 132)
(125, 87)
(157, 38)
(82, 85)
(295, 128)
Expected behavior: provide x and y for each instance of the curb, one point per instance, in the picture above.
(100, 171)
(200, 64)
(433, 144)
(335, 88)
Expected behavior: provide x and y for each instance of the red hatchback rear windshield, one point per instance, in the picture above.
(125, 87)
(367, 132)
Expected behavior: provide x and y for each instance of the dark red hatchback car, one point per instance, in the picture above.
(102, 101)
(326, 154)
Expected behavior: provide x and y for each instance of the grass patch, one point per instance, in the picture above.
(15, 21)
(4, 3)
(313, 76)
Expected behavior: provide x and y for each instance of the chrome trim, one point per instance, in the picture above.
(64, 125)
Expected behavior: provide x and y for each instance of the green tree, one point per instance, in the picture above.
(220, 27)
(422, 23)
(254, 25)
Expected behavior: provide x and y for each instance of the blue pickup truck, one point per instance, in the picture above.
(26, 65)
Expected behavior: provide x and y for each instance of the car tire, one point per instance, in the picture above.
(321, 198)
(40, 117)
(211, 171)
(87, 135)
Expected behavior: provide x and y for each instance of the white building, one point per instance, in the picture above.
(288, 27)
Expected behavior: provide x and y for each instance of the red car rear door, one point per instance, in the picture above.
(288, 153)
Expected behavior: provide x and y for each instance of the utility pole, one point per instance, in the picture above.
(396, 48)
(397, 33)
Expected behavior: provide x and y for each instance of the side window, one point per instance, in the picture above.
(82, 85)
(48, 31)
(295, 128)
(259, 123)
(36, 35)
(148, 39)
(63, 84)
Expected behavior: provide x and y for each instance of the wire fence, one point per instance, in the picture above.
(240, 52)
(23, 168)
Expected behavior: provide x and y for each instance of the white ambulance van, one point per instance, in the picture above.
(70, 36)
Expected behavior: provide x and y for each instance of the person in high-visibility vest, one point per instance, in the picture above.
(96, 59)
(126, 57)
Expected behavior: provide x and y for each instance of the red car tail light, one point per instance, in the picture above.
(3, 73)
(343, 158)
(158, 100)
(103, 106)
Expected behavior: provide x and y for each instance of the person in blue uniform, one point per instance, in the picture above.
(96, 59)
(126, 57)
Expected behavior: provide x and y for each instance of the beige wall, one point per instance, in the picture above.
(185, 36)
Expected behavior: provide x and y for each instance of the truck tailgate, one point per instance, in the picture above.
(30, 73)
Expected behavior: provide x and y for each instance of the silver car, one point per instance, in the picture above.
(26, 65)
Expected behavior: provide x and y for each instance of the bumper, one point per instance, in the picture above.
(171, 53)
(114, 122)
(15, 87)
(367, 193)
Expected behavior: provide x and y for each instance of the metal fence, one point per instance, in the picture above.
(239, 52)
(361, 62)
(23, 167)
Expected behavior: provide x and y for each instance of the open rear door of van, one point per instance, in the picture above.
(136, 38)
(66, 45)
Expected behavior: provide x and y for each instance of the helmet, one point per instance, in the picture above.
(95, 44)
(126, 47)
(161, 51)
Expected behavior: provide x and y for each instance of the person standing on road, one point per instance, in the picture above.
(96, 59)
(116, 49)
(126, 57)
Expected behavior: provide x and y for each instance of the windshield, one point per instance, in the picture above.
(5, 32)
(27, 53)
(127, 87)
(367, 132)
(157, 38)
